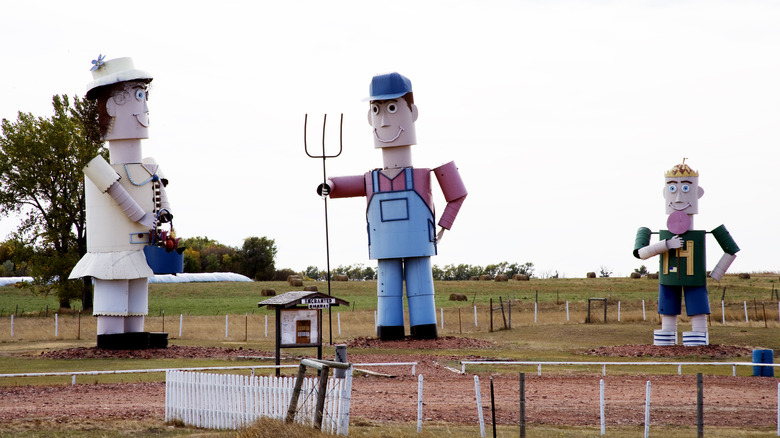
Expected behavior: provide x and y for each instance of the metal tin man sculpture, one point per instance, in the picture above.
(683, 270)
(125, 202)
(401, 229)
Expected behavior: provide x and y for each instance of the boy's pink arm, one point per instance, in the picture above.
(347, 186)
(454, 192)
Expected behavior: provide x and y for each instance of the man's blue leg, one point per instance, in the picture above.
(390, 300)
(419, 294)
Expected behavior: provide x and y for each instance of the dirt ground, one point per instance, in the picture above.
(449, 397)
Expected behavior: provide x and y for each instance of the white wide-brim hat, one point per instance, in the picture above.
(114, 71)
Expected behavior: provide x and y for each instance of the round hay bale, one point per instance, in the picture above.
(474, 278)
(458, 297)
(591, 275)
(485, 278)
(340, 277)
(292, 279)
(296, 282)
(268, 293)
(502, 277)
(521, 277)
(310, 288)
(636, 275)
(653, 276)
(744, 276)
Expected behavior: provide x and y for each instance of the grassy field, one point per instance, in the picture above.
(540, 331)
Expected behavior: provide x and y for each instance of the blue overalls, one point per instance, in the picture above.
(402, 237)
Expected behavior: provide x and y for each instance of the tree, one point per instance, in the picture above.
(605, 272)
(41, 162)
(642, 270)
(526, 268)
(258, 255)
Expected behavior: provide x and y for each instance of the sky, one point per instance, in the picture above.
(562, 116)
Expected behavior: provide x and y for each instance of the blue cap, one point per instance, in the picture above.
(388, 86)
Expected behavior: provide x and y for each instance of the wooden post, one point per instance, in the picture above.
(491, 315)
(322, 390)
(78, 334)
(295, 394)
(503, 315)
(522, 405)
(699, 405)
(493, 406)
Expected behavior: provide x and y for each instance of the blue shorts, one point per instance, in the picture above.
(697, 300)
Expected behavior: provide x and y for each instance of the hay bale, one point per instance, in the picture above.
(458, 297)
(293, 279)
(485, 278)
(296, 282)
(310, 288)
(268, 292)
(744, 276)
(520, 277)
(591, 275)
(502, 277)
(341, 277)
(636, 275)
(474, 278)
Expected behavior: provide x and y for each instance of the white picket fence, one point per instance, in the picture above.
(229, 401)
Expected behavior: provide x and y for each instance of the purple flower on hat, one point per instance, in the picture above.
(96, 63)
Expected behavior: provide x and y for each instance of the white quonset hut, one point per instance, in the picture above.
(299, 319)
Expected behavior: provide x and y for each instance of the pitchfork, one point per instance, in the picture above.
(325, 198)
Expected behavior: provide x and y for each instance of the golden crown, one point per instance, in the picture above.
(681, 170)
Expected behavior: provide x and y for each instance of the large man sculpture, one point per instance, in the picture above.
(125, 200)
(683, 259)
(401, 229)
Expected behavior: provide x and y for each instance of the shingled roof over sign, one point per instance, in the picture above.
(294, 298)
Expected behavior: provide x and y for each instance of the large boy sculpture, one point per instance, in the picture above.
(124, 201)
(401, 229)
(683, 262)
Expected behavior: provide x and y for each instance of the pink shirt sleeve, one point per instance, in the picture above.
(348, 186)
(454, 192)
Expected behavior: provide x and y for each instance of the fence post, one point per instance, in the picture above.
(699, 405)
(744, 303)
(12, 325)
(295, 394)
(56, 325)
(647, 410)
(723, 312)
(475, 316)
(643, 311)
(419, 402)
(181, 322)
(618, 311)
(441, 312)
(567, 310)
(601, 406)
(522, 405)
(482, 417)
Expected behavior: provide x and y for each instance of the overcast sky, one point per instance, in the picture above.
(561, 116)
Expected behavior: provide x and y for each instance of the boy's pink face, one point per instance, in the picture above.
(393, 122)
(682, 194)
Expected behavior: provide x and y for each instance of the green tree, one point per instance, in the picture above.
(258, 257)
(642, 270)
(41, 180)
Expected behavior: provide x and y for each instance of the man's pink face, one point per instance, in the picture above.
(130, 112)
(393, 123)
(682, 194)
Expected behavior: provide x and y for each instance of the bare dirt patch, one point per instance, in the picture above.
(449, 397)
